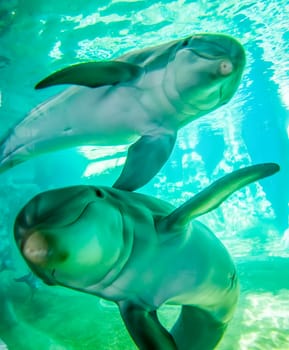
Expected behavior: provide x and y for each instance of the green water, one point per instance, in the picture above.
(38, 38)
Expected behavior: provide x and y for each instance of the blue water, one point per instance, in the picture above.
(37, 38)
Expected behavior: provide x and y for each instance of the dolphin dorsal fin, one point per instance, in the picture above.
(93, 74)
(211, 197)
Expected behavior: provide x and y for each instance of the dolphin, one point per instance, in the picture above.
(140, 99)
(139, 252)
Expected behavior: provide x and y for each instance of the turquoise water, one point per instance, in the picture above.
(37, 38)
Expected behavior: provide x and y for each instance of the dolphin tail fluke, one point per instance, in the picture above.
(195, 329)
(148, 155)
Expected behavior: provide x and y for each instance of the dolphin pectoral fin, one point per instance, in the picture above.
(145, 328)
(93, 74)
(211, 197)
(145, 158)
(196, 329)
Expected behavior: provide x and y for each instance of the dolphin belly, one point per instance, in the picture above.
(202, 274)
(78, 116)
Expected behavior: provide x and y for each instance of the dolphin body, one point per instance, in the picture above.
(141, 253)
(142, 98)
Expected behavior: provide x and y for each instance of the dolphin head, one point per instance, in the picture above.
(71, 236)
(207, 69)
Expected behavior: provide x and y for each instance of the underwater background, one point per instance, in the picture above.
(38, 37)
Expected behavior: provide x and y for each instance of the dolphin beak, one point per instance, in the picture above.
(35, 248)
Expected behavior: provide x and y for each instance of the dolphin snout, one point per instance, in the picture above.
(35, 248)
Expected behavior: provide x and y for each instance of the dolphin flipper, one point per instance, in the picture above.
(93, 74)
(215, 194)
(145, 328)
(196, 329)
(148, 155)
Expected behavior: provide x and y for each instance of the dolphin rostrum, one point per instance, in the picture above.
(141, 253)
(141, 98)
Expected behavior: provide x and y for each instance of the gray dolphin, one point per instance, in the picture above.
(142, 98)
(139, 252)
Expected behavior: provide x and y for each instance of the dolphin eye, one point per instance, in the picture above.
(185, 42)
(226, 67)
(99, 193)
